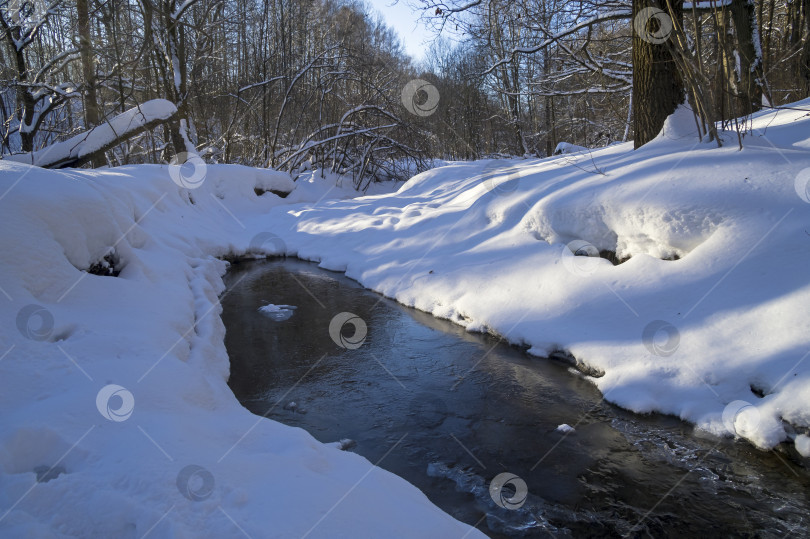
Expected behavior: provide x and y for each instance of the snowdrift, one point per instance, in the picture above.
(705, 319)
(117, 420)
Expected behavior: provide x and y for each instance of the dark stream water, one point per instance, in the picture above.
(449, 411)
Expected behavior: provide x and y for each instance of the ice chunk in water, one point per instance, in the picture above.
(279, 313)
(344, 444)
(803, 445)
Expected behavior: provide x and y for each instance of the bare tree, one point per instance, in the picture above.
(37, 92)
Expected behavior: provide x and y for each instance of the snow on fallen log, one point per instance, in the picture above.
(566, 148)
(81, 148)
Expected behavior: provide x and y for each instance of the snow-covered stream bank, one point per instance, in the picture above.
(117, 385)
(719, 337)
(483, 244)
(612, 476)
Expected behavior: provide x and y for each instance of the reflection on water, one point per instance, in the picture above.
(449, 411)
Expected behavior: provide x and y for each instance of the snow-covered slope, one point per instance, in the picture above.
(113, 388)
(117, 420)
(719, 337)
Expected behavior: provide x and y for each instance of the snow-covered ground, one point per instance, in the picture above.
(719, 337)
(117, 417)
(113, 389)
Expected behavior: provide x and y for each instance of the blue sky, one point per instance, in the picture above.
(414, 35)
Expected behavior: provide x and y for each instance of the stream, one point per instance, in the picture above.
(450, 410)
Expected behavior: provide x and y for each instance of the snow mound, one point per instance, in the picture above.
(710, 303)
(566, 148)
(680, 125)
(120, 421)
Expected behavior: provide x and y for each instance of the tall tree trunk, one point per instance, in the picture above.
(804, 59)
(751, 78)
(27, 106)
(91, 112)
(766, 39)
(730, 87)
(657, 85)
(549, 127)
(181, 134)
(515, 104)
(514, 111)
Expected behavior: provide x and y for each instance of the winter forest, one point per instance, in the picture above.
(404, 268)
(295, 84)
